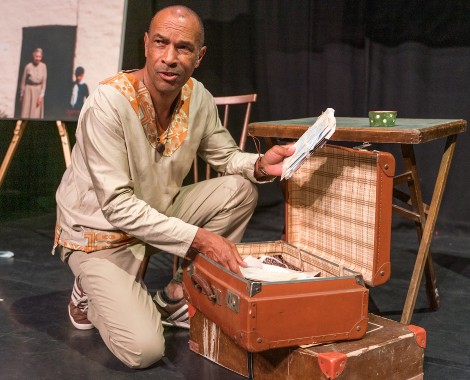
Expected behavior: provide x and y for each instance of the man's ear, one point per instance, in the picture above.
(200, 56)
(146, 40)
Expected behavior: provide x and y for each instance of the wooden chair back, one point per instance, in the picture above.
(225, 105)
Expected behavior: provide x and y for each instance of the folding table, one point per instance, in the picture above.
(407, 133)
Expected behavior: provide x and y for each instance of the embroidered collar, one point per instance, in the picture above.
(139, 97)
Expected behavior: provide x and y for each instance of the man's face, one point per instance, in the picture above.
(172, 49)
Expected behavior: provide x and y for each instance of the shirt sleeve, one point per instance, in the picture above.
(220, 150)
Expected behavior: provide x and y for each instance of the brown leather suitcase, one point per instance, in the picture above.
(338, 222)
(389, 350)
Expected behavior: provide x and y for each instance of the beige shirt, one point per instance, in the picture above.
(117, 182)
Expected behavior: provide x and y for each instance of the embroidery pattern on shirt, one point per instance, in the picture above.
(95, 240)
(139, 98)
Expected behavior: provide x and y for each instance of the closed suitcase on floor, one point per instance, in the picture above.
(389, 350)
(338, 222)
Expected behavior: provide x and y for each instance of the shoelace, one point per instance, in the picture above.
(82, 303)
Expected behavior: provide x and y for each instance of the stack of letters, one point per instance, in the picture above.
(314, 138)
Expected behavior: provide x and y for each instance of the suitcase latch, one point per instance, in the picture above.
(218, 295)
(363, 146)
(232, 301)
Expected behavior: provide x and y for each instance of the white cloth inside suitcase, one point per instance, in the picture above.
(259, 270)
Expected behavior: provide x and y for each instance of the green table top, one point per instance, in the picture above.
(406, 131)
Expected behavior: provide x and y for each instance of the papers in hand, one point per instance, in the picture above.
(259, 271)
(315, 137)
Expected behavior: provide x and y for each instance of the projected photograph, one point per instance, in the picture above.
(54, 53)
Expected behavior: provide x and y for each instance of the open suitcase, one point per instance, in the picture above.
(338, 222)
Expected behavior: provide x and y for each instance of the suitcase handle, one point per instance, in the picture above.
(201, 284)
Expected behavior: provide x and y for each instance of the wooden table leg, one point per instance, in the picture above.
(64, 138)
(429, 226)
(17, 134)
(418, 207)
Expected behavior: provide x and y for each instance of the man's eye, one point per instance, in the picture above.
(184, 48)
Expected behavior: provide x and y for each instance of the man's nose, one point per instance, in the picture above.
(170, 55)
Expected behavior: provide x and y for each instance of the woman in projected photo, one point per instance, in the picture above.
(33, 87)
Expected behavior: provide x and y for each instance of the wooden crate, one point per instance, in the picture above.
(389, 350)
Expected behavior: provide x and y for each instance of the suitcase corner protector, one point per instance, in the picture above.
(420, 335)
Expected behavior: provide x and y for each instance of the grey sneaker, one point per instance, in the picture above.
(173, 314)
(78, 308)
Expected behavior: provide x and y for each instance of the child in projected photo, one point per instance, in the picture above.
(79, 93)
(80, 89)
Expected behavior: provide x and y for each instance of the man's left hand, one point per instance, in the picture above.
(271, 162)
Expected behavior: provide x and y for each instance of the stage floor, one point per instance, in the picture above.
(37, 340)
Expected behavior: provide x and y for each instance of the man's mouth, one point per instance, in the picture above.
(168, 75)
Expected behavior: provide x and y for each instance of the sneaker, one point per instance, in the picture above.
(78, 308)
(173, 314)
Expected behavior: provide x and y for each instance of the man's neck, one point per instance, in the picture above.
(164, 104)
(164, 109)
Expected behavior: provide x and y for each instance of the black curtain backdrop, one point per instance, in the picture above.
(304, 56)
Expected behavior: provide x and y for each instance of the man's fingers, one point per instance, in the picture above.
(240, 261)
(284, 150)
(234, 259)
(234, 267)
(219, 249)
(238, 271)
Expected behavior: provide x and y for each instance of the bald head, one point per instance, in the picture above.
(183, 14)
(174, 48)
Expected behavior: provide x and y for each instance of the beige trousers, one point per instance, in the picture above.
(120, 306)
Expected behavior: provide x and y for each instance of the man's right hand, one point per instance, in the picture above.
(219, 249)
